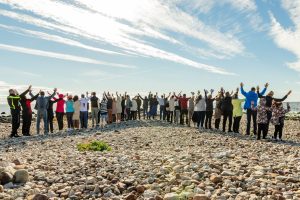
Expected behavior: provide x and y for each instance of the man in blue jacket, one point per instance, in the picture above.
(251, 101)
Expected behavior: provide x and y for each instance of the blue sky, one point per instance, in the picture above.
(149, 45)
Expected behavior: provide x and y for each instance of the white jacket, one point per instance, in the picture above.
(200, 106)
(172, 104)
(134, 105)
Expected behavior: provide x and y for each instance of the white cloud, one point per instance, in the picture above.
(56, 38)
(142, 18)
(288, 38)
(59, 56)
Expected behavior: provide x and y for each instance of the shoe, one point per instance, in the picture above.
(16, 136)
(27, 135)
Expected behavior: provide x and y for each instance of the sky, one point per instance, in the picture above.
(149, 45)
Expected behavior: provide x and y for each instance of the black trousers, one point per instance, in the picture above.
(217, 123)
(236, 124)
(227, 115)
(208, 118)
(60, 120)
(145, 112)
(201, 118)
(262, 128)
(278, 131)
(50, 120)
(15, 121)
(70, 119)
(170, 116)
(184, 112)
(269, 116)
(251, 114)
(27, 117)
(123, 114)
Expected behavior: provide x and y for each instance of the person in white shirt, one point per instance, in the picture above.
(200, 111)
(171, 108)
(133, 109)
(84, 111)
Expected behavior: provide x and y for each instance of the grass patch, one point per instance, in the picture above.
(94, 146)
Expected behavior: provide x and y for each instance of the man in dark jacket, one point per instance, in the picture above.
(13, 101)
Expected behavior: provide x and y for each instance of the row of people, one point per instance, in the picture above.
(178, 108)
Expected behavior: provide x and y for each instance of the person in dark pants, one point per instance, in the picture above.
(145, 105)
(269, 100)
(227, 110)
(237, 111)
(218, 111)
(13, 101)
(139, 104)
(278, 116)
(60, 111)
(184, 108)
(27, 112)
(262, 118)
(50, 116)
(209, 108)
(251, 96)
(123, 108)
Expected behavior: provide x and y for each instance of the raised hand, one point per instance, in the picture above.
(257, 88)
(55, 89)
(267, 85)
(242, 84)
(212, 91)
(29, 88)
(290, 92)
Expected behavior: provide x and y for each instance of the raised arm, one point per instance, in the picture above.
(141, 96)
(284, 98)
(33, 97)
(265, 89)
(242, 90)
(25, 92)
(54, 92)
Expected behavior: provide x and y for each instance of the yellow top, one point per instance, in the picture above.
(237, 107)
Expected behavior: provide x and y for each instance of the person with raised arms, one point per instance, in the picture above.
(251, 96)
(13, 101)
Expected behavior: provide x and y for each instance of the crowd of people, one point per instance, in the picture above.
(198, 109)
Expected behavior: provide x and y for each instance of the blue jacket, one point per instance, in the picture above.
(251, 96)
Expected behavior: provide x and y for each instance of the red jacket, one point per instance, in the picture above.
(60, 106)
(183, 102)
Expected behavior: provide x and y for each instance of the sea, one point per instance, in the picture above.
(295, 108)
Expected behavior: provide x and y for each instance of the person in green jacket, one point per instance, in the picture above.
(237, 111)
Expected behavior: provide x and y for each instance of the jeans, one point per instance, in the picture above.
(251, 114)
(227, 115)
(70, 119)
(42, 114)
(83, 119)
(208, 118)
(201, 118)
(15, 121)
(60, 120)
(162, 112)
(145, 112)
(236, 124)
(177, 116)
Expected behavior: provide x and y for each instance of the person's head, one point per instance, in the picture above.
(82, 96)
(184, 95)
(253, 89)
(209, 96)
(227, 94)
(42, 93)
(114, 99)
(154, 96)
(162, 96)
(235, 96)
(128, 97)
(93, 94)
(70, 97)
(271, 94)
(172, 96)
(146, 97)
(262, 102)
(11, 92)
(75, 98)
(61, 96)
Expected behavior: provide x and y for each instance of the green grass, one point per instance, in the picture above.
(94, 146)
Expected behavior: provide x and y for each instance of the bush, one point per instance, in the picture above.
(94, 146)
